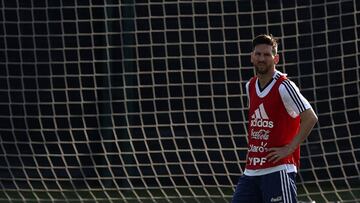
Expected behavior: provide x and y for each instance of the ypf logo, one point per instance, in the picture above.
(260, 118)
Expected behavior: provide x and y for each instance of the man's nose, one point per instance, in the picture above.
(261, 58)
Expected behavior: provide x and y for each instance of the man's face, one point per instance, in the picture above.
(263, 59)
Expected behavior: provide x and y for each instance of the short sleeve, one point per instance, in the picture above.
(247, 92)
(293, 100)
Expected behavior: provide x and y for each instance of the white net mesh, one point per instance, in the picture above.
(143, 101)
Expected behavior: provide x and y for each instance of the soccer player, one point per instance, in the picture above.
(280, 119)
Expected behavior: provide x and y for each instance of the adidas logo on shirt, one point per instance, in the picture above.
(260, 118)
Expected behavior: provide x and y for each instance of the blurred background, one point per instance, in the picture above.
(144, 101)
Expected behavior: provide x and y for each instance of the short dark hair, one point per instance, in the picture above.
(266, 39)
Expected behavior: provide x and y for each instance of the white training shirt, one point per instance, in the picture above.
(294, 102)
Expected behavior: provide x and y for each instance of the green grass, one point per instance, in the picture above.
(169, 195)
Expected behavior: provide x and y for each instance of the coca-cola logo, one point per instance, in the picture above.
(260, 134)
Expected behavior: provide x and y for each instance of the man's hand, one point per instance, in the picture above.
(278, 153)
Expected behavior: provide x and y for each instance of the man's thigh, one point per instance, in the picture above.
(279, 187)
(247, 190)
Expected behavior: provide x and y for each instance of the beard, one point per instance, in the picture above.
(262, 68)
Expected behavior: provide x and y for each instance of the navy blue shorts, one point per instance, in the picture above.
(277, 187)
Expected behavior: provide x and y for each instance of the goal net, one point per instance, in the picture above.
(143, 101)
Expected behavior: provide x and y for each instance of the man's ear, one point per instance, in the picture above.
(251, 56)
(276, 59)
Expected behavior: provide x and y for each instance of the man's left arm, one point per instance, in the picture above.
(308, 120)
